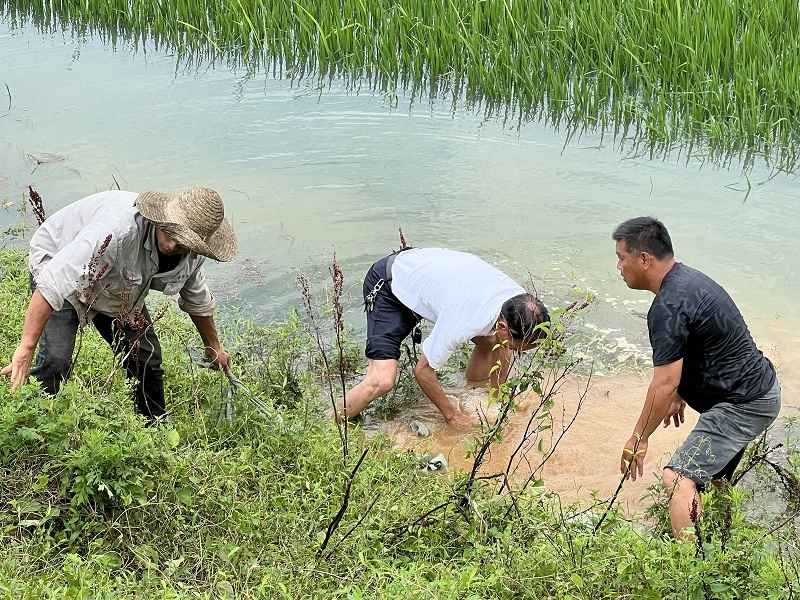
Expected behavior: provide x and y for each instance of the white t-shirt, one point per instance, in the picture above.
(458, 292)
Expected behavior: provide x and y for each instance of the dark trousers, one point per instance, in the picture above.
(140, 349)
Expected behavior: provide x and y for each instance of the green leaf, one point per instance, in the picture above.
(40, 483)
(225, 589)
(28, 522)
(185, 495)
(29, 434)
(110, 560)
(173, 438)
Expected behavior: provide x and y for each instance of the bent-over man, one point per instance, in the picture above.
(465, 298)
(703, 356)
(96, 260)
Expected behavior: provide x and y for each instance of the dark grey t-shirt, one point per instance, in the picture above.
(693, 318)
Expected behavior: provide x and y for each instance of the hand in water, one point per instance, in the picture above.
(461, 420)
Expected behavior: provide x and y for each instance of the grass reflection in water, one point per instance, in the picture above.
(715, 80)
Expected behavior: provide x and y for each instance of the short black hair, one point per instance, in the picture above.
(522, 314)
(645, 234)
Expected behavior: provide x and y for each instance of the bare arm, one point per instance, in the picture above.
(661, 402)
(36, 318)
(426, 377)
(208, 332)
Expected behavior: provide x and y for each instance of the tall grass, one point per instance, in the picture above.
(718, 78)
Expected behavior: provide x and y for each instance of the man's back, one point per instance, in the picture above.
(115, 208)
(459, 292)
(693, 318)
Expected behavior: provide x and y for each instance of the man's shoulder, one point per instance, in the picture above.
(683, 279)
(111, 205)
(688, 290)
(114, 208)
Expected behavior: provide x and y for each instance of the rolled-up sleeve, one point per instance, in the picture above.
(78, 267)
(195, 297)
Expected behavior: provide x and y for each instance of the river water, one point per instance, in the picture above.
(307, 171)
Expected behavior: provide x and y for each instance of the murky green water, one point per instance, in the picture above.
(306, 172)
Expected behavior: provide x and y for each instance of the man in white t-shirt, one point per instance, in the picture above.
(465, 298)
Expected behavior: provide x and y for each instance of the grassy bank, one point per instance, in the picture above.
(96, 505)
(711, 80)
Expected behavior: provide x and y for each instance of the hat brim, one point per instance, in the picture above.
(160, 208)
(220, 246)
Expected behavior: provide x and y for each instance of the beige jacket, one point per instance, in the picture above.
(71, 261)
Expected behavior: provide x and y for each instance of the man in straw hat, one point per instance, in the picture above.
(97, 259)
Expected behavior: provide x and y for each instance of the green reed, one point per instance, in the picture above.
(716, 79)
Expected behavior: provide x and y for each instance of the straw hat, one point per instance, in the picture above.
(195, 219)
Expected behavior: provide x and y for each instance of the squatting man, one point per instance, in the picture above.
(703, 356)
(96, 260)
(466, 299)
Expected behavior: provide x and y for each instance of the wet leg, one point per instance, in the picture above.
(380, 378)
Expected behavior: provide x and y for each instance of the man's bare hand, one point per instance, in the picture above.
(461, 419)
(221, 359)
(676, 413)
(632, 463)
(20, 367)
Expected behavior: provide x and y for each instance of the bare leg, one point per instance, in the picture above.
(379, 380)
(684, 500)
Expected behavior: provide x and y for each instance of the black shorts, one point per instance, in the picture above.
(389, 322)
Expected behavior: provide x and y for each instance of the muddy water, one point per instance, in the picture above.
(306, 172)
(587, 457)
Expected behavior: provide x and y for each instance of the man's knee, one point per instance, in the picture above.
(676, 483)
(381, 375)
(668, 478)
(143, 351)
(150, 362)
(382, 384)
(51, 373)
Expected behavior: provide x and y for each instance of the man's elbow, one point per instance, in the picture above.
(420, 369)
(666, 386)
(423, 371)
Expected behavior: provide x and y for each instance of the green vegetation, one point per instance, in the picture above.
(97, 505)
(718, 79)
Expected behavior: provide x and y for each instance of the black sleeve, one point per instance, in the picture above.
(668, 324)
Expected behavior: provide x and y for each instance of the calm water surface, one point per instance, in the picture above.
(307, 172)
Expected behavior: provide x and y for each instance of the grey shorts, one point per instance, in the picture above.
(717, 443)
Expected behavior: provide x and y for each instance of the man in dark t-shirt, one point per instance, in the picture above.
(703, 356)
